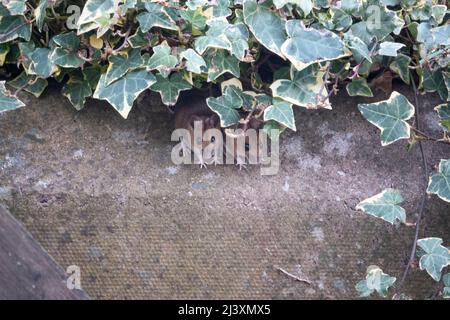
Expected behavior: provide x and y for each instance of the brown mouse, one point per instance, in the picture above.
(192, 108)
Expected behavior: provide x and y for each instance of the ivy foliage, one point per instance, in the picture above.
(268, 57)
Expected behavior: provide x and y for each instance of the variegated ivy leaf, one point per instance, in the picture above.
(390, 117)
(439, 182)
(13, 27)
(390, 49)
(376, 281)
(281, 112)
(446, 290)
(170, 88)
(122, 93)
(162, 60)
(305, 5)
(265, 25)
(93, 11)
(4, 50)
(122, 63)
(194, 62)
(436, 257)
(219, 62)
(357, 46)
(443, 111)
(221, 8)
(306, 46)
(15, 7)
(41, 63)
(400, 66)
(226, 107)
(215, 37)
(7, 100)
(304, 88)
(31, 84)
(156, 16)
(66, 58)
(194, 4)
(77, 89)
(384, 205)
(195, 18)
(39, 13)
(434, 81)
(359, 87)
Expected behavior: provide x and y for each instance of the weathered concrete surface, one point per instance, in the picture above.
(101, 192)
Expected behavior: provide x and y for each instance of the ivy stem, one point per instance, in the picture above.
(422, 204)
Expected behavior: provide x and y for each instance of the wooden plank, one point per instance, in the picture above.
(27, 271)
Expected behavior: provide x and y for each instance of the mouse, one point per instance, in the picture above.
(190, 109)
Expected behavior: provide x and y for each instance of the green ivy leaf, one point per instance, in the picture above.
(7, 100)
(357, 46)
(265, 25)
(13, 27)
(162, 60)
(439, 182)
(434, 81)
(306, 46)
(194, 62)
(94, 10)
(31, 84)
(384, 205)
(122, 93)
(443, 111)
(155, 16)
(65, 58)
(376, 281)
(436, 257)
(41, 64)
(170, 88)
(39, 13)
(390, 49)
(281, 112)
(390, 117)
(226, 107)
(359, 87)
(215, 37)
(219, 63)
(303, 89)
(15, 7)
(122, 63)
(401, 67)
(77, 89)
(446, 290)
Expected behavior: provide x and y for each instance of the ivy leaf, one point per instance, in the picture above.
(194, 17)
(401, 67)
(384, 205)
(77, 89)
(39, 13)
(170, 88)
(390, 117)
(13, 27)
(31, 84)
(281, 112)
(357, 46)
(162, 60)
(194, 62)
(359, 87)
(15, 7)
(226, 107)
(65, 58)
(7, 100)
(41, 64)
(119, 65)
(219, 63)
(215, 37)
(155, 16)
(266, 26)
(302, 90)
(390, 49)
(306, 46)
(305, 5)
(439, 182)
(446, 290)
(94, 10)
(436, 257)
(67, 40)
(122, 93)
(376, 281)
(434, 81)
(443, 111)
